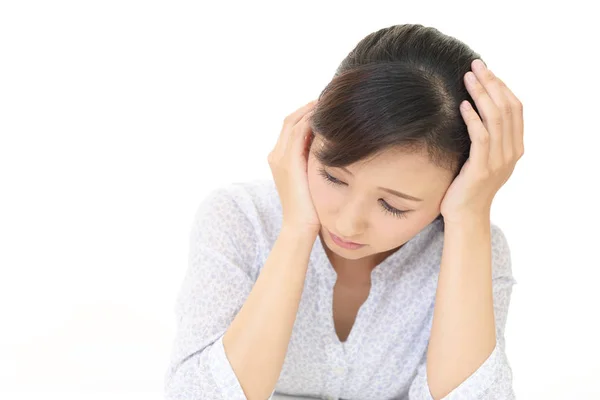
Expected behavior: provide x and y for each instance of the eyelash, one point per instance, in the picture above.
(386, 207)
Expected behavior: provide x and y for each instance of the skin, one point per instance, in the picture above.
(463, 333)
(352, 210)
(464, 330)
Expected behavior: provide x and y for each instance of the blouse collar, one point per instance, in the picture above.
(386, 270)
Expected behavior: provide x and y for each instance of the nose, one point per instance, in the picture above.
(351, 221)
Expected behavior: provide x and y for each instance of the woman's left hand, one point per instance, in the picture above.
(496, 146)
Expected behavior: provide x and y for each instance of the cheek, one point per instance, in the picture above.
(319, 191)
(314, 184)
(324, 195)
(393, 231)
(389, 230)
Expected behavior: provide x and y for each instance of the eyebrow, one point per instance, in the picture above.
(391, 191)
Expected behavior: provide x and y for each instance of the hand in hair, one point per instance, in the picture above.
(496, 145)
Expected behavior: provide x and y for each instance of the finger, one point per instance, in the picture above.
(300, 135)
(490, 115)
(517, 118)
(289, 122)
(294, 117)
(495, 91)
(480, 139)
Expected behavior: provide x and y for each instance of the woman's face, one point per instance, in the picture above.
(356, 210)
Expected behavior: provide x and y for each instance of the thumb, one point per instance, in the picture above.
(303, 135)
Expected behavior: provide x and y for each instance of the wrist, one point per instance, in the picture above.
(300, 233)
(467, 219)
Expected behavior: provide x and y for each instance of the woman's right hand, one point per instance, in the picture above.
(288, 162)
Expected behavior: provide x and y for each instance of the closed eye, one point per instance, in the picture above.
(385, 206)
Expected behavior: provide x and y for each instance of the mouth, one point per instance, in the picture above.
(343, 243)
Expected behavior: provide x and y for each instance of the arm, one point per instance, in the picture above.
(233, 329)
(466, 357)
(463, 331)
(257, 340)
(466, 347)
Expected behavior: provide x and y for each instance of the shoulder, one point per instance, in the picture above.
(252, 199)
(261, 202)
(247, 211)
(501, 255)
(500, 249)
(228, 227)
(499, 242)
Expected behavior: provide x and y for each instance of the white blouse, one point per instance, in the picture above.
(384, 356)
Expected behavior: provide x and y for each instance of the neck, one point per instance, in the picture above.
(356, 272)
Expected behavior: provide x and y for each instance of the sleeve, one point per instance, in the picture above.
(218, 279)
(493, 379)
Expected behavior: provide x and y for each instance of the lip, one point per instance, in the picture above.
(346, 245)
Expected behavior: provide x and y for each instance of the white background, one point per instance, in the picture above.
(118, 117)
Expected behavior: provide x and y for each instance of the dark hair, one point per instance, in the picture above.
(400, 87)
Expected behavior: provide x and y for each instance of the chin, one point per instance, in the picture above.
(349, 254)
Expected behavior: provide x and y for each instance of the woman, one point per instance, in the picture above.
(368, 268)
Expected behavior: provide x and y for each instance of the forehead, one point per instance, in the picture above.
(401, 165)
(400, 168)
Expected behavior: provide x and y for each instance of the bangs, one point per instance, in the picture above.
(376, 107)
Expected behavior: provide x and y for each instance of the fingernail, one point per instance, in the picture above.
(479, 65)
